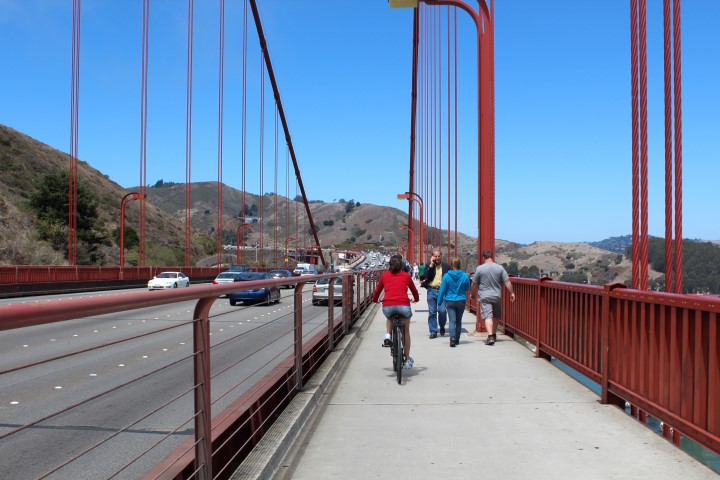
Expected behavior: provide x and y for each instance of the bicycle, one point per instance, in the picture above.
(397, 347)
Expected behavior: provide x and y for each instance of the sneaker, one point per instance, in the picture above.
(490, 340)
(442, 331)
(452, 342)
(433, 335)
(386, 340)
(409, 364)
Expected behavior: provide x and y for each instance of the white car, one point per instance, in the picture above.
(165, 280)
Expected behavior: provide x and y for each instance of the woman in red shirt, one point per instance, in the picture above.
(396, 283)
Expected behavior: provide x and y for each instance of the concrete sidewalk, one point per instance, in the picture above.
(473, 411)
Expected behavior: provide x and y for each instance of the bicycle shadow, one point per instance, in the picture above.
(407, 375)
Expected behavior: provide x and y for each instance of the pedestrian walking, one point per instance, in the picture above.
(452, 294)
(490, 277)
(437, 314)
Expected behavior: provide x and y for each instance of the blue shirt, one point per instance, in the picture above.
(453, 287)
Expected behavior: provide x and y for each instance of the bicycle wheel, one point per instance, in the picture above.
(400, 353)
(394, 349)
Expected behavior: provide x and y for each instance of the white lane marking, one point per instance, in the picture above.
(76, 335)
(58, 387)
(144, 356)
(25, 346)
(121, 365)
(14, 402)
(95, 331)
(93, 375)
(165, 349)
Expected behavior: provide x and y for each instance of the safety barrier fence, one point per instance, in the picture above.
(656, 351)
(44, 274)
(227, 409)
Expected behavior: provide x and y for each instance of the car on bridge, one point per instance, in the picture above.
(280, 273)
(321, 291)
(165, 280)
(265, 295)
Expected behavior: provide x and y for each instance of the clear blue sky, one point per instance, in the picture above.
(343, 67)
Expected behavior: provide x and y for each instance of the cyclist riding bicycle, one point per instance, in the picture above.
(396, 283)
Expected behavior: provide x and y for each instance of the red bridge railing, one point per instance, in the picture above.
(660, 352)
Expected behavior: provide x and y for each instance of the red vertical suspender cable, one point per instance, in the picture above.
(74, 104)
(287, 203)
(449, 124)
(643, 151)
(456, 128)
(434, 135)
(413, 128)
(221, 92)
(635, 143)
(244, 124)
(143, 132)
(678, 149)
(275, 196)
(668, 146)
(188, 131)
(439, 162)
(262, 156)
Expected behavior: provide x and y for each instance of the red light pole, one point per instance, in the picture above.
(412, 196)
(486, 113)
(126, 198)
(411, 242)
(237, 254)
(287, 240)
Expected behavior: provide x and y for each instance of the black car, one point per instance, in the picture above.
(239, 267)
(266, 295)
(280, 273)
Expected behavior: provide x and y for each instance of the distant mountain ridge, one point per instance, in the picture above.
(614, 244)
(25, 160)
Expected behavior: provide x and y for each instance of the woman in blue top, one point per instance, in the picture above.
(452, 291)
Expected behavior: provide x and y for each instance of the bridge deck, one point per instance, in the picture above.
(466, 412)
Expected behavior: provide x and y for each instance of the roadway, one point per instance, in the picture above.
(144, 358)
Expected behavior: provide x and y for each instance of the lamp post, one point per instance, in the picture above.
(287, 240)
(412, 196)
(486, 113)
(126, 198)
(237, 253)
(411, 241)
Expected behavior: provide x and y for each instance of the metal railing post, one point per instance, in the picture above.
(542, 317)
(297, 337)
(606, 320)
(203, 414)
(331, 312)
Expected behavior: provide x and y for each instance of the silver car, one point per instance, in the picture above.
(321, 291)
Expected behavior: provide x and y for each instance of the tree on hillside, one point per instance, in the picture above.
(49, 202)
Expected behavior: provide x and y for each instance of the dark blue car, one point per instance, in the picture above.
(265, 295)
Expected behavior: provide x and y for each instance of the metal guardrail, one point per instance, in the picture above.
(221, 442)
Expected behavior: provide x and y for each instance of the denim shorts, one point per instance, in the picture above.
(403, 310)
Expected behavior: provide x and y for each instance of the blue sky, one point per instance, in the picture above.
(562, 103)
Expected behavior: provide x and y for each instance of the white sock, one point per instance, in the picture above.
(387, 335)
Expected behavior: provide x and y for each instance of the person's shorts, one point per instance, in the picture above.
(403, 310)
(490, 310)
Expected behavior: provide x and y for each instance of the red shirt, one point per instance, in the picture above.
(396, 286)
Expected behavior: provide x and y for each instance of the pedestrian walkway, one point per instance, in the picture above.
(473, 411)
